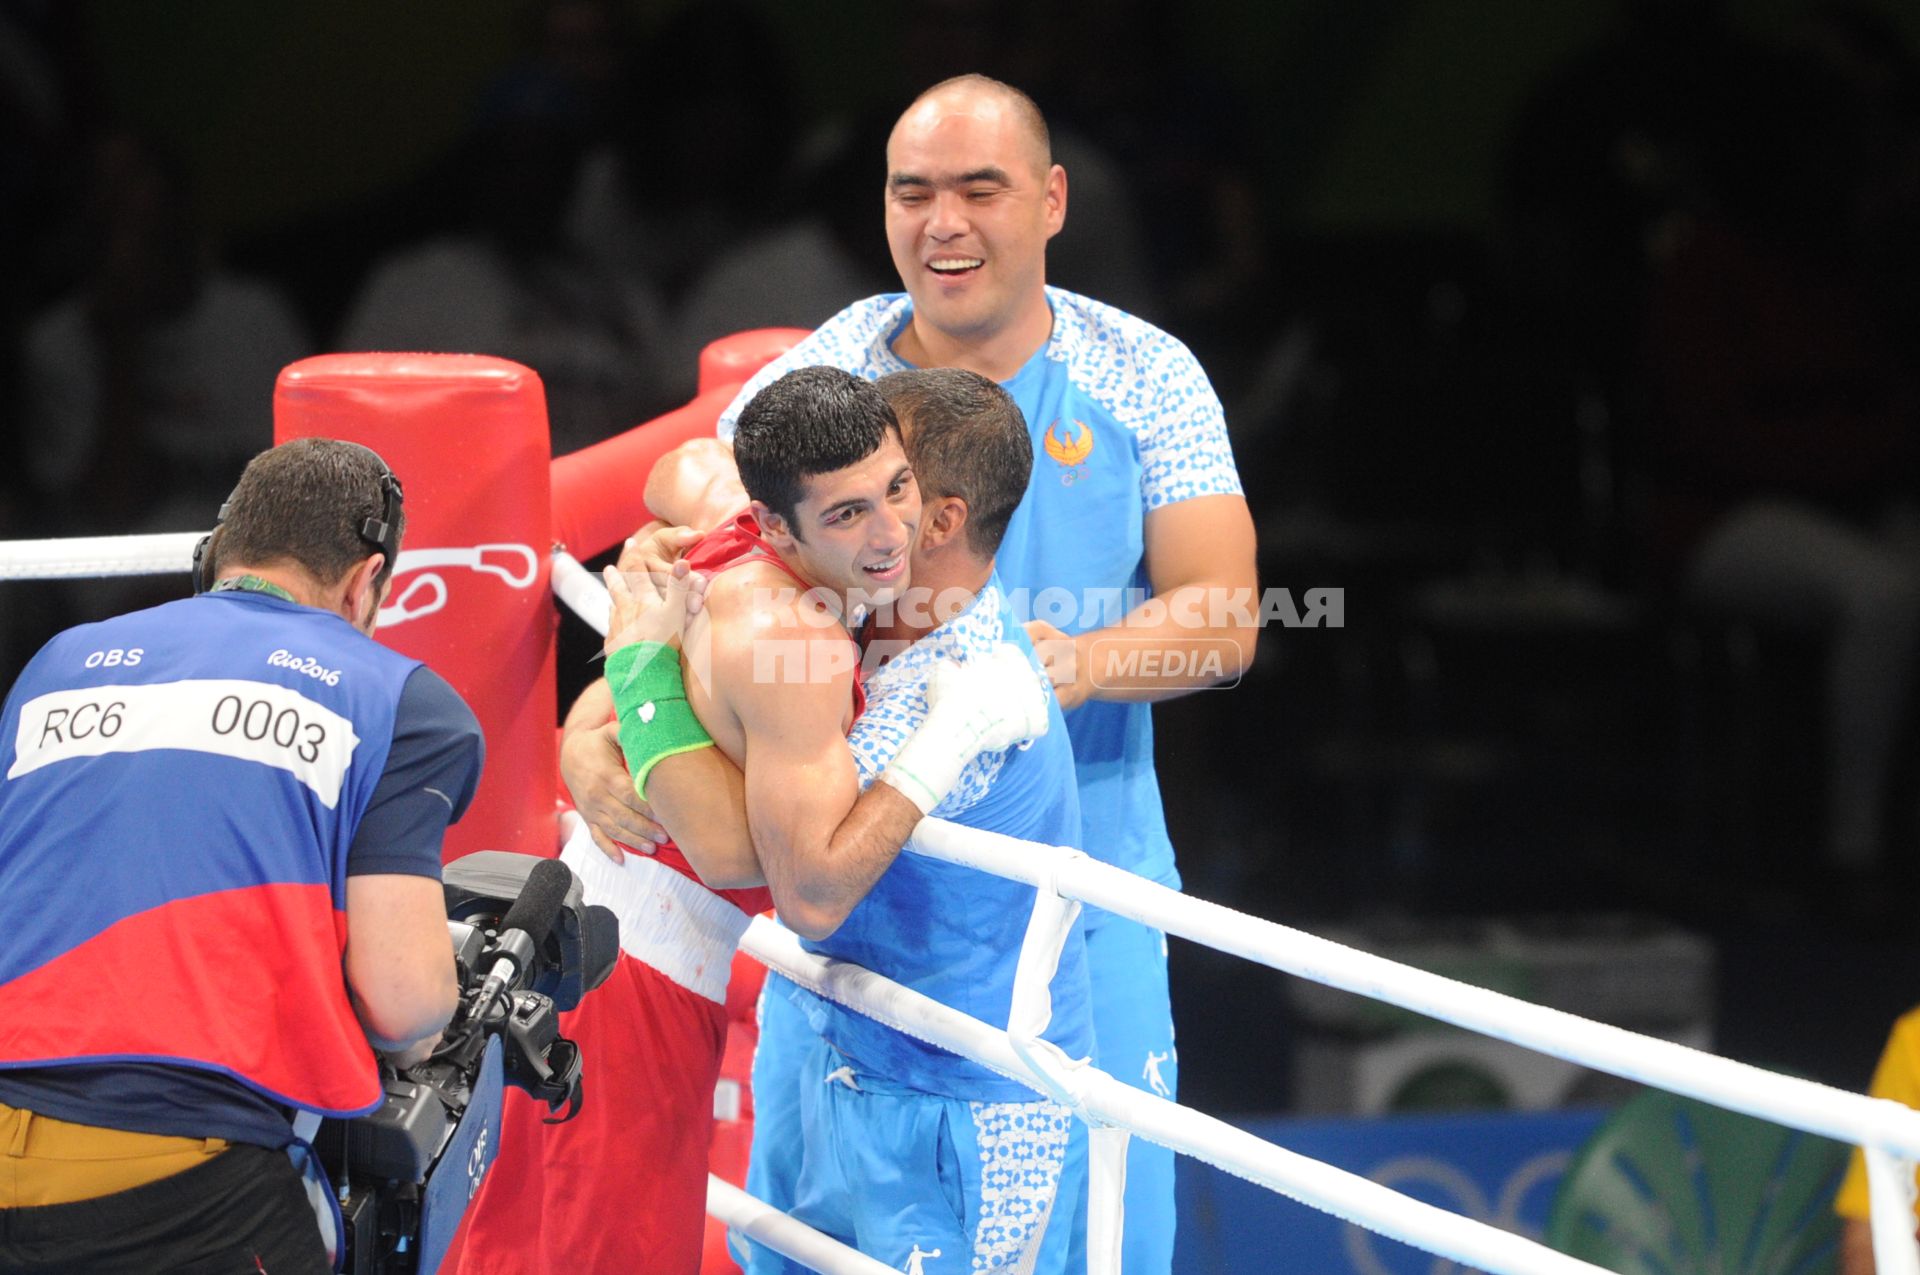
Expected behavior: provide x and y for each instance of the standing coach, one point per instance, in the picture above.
(1134, 492)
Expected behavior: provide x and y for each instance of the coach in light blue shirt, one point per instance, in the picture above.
(1134, 494)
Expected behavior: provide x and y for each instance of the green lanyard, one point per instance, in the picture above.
(252, 584)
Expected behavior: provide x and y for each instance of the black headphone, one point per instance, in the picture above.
(383, 533)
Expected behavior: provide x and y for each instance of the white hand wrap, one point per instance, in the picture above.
(984, 705)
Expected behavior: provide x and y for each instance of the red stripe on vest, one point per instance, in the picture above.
(245, 981)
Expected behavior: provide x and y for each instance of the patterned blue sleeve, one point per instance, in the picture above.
(897, 703)
(884, 726)
(896, 707)
(851, 339)
(1184, 450)
(801, 355)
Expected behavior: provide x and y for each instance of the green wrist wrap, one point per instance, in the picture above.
(650, 701)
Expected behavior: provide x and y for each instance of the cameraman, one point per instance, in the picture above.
(220, 826)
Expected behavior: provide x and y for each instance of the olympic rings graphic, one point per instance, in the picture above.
(1462, 1194)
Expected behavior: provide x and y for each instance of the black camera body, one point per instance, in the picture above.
(526, 947)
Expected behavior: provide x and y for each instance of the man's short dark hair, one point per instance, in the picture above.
(965, 437)
(307, 502)
(811, 421)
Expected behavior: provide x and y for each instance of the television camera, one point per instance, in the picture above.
(526, 947)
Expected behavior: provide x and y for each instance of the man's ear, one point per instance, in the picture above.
(1054, 192)
(943, 521)
(360, 596)
(777, 530)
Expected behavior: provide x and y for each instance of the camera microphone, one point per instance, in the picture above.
(526, 925)
(599, 944)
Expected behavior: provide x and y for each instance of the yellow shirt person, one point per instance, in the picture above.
(1897, 1077)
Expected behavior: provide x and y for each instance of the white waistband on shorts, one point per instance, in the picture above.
(667, 920)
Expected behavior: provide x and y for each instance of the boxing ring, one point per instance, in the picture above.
(496, 648)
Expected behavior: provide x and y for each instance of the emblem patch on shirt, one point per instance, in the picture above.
(1071, 448)
(1069, 442)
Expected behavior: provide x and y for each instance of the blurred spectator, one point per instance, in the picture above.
(1864, 50)
(815, 253)
(511, 283)
(1603, 160)
(36, 111)
(1897, 1077)
(1781, 415)
(586, 45)
(707, 133)
(151, 383)
(1177, 139)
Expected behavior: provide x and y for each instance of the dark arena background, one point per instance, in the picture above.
(1577, 343)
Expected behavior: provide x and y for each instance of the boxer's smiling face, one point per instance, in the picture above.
(852, 529)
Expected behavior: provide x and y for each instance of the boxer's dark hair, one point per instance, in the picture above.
(811, 421)
(312, 502)
(965, 437)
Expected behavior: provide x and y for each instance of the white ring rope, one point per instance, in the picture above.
(76, 557)
(1889, 1131)
(1801, 1104)
(582, 591)
(764, 1224)
(1109, 1101)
